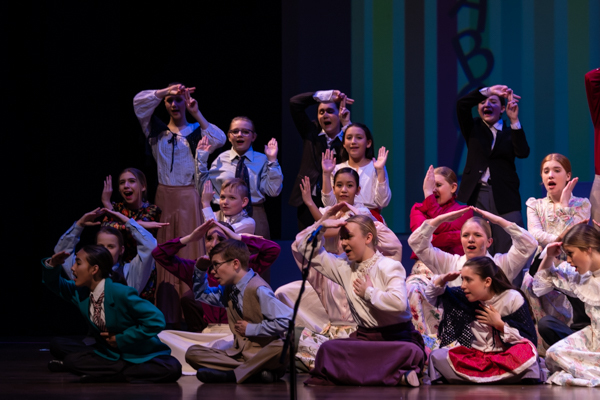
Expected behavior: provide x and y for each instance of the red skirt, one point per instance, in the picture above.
(478, 366)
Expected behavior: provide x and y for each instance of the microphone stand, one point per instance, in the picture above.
(290, 340)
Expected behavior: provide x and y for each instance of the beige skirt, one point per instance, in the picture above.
(180, 207)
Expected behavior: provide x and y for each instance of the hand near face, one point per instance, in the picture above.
(116, 215)
(199, 232)
(344, 113)
(204, 145)
(203, 263)
(338, 96)
(490, 316)
(240, 327)
(512, 111)
(429, 182)
(58, 259)
(190, 103)
(271, 150)
(111, 339)
(381, 158)
(208, 193)
(565, 196)
(360, 285)
(175, 90)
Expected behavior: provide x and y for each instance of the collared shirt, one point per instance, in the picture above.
(163, 150)
(240, 222)
(266, 178)
(276, 314)
(495, 129)
(331, 139)
(97, 292)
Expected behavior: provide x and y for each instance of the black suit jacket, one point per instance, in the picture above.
(313, 146)
(480, 156)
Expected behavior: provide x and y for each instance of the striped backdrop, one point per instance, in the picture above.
(406, 76)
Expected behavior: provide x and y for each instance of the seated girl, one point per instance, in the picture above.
(132, 187)
(358, 154)
(548, 218)
(124, 326)
(488, 325)
(574, 359)
(139, 273)
(439, 189)
(232, 203)
(385, 349)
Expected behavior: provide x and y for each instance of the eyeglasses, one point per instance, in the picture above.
(244, 132)
(217, 265)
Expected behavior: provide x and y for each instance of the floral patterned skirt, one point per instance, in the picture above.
(575, 360)
(425, 317)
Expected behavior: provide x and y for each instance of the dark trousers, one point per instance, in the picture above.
(81, 359)
(552, 329)
(502, 241)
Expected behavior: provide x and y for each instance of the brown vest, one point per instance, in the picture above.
(247, 346)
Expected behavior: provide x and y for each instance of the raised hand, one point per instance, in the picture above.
(208, 193)
(190, 103)
(429, 182)
(328, 162)
(152, 224)
(58, 259)
(338, 96)
(447, 217)
(88, 219)
(493, 218)
(306, 191)
(198, 233)
(499, 90)
(228, 232)
(175, 90)
(107, 192)
(360, 285)
(512, 107)
(203, 263)
(449, 277)
(344, 113)
(381, 158)
(334, 210)
(204, 145)
(490, 316)
(565, 196)
(117, 215)
(271, 150)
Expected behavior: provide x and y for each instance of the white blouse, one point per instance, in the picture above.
(184, 165)
(384, 304)
(372, 193)
(440, 262)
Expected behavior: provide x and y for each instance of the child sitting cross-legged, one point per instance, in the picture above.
(232, 202)
(257, 319)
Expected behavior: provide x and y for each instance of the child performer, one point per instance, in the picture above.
(592, 89)
(232, 202)
(324, 133)
(490, 179)
(261, 172)
(174, 148)
(547, 219)
(263, 255)
(132, 187)
(257, 319)
(491, 321)
(574, 359)
(385, 349)
(140, 273)
(124, 325)
(439, 189)
(359, 155)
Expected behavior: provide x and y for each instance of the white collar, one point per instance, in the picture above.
(99, 289)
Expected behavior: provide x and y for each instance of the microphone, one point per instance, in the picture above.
(314, 234)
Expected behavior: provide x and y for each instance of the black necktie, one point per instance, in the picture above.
(233, 296)
(241, 171)
(172, 141)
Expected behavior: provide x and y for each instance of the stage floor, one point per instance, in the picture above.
(23, 375)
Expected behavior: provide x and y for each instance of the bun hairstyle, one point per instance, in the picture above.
(481, 222)
(347, 170)
(366, 225)
(141, 178)
(100, 256)
(562, 160)
(583, 237)
(485, 267)
(370, 152)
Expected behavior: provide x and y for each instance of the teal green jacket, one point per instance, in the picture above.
(135, 321)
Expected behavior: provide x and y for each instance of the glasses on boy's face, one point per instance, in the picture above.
(217, 265)
(243, 132)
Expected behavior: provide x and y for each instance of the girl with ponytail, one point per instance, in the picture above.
(491, 323)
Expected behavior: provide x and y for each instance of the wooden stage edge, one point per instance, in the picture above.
(24, 375)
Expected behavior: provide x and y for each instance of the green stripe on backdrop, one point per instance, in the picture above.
(581, 150)
(368, 63)
(561, 83)
(430, 83)
(396, 165)
(357, 34)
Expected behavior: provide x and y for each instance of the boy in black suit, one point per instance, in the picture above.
(490, 179)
